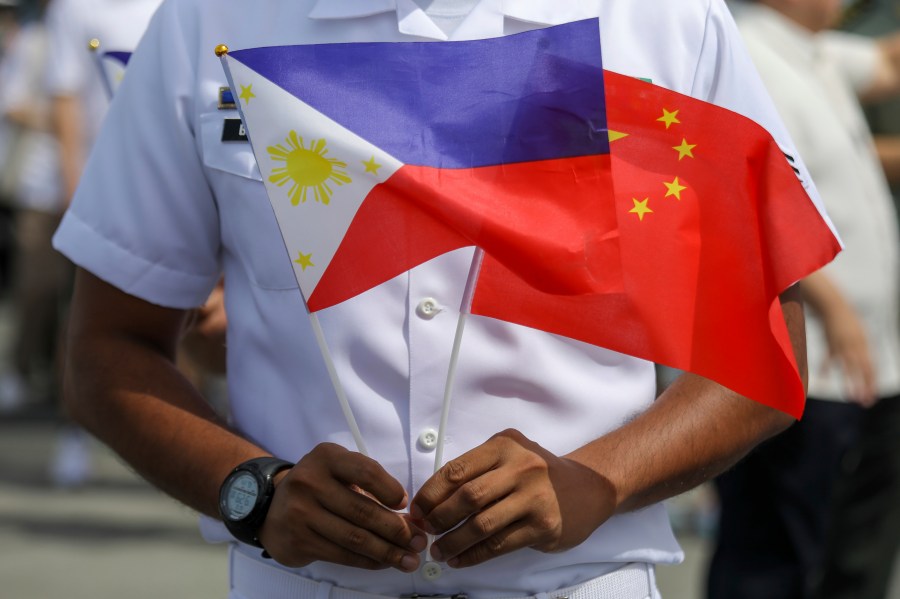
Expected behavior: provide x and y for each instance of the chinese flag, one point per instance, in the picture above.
(714, 224)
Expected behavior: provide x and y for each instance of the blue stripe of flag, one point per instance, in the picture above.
(532, 96)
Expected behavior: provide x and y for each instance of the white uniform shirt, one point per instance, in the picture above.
(812, 80)
(165, 204)
(118, 24)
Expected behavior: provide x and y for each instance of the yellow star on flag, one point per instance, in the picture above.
(304, 260)
(684, 149)
(640, 208)
(674, 189)
(669, 118)
(615, 135)
(247, 93)
(371, 165)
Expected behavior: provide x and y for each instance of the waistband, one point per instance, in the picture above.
(252, 578)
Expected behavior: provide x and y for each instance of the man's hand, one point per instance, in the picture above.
(205, 331)
(848, 346)
(335, 506)
(507, 494)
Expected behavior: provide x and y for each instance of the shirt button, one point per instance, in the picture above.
(428, 308)
(431, 571)
(428, 439)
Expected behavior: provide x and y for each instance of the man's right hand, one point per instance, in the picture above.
(336, 506)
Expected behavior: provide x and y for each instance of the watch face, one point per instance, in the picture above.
(241, 496)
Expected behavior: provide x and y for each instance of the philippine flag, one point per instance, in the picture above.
(380, 156)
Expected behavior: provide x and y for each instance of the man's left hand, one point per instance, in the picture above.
(507, 494)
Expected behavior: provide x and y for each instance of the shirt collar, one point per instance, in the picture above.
(486, 19)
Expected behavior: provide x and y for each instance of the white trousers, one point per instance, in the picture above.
(253, 578)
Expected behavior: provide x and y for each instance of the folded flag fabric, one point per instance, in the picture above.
(609, 210)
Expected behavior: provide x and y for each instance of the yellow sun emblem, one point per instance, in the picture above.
(306, 168)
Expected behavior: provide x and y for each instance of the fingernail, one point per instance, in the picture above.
(453, 562)
(409, 563)
(418, 543)
(436, 553)
(416, 512)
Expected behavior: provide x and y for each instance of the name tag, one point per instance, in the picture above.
(233, 130)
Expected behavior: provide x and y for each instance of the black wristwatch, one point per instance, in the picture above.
(245, 497)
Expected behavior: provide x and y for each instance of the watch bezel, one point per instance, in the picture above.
(263, 470)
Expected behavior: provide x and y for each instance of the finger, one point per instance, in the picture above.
(470, 498)
(512, 538)
(368, 514)
(367, 474)
(325, 550)
(480, 527)
(452, 476)
(340, 542)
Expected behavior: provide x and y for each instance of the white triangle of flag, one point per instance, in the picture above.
(316, 172)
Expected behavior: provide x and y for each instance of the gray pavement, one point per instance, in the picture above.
(118, 537)
(113, 537)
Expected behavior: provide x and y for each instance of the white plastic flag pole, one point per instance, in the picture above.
(336, 383)
(464, 308)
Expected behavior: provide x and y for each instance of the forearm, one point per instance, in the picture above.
(694, 431)
(69, 131)
(31, 117)
(124, 388)
(823, 297)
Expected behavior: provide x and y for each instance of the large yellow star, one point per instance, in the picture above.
(640, 208)
(684, 149)
(247, 93)
(304, 260)
(669, 118)
(371, 165)
(616, 135)
(674, 189)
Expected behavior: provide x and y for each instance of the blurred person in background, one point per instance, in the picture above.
(41, 277)
(8, 22)
(79, 95)
(776, 504)
(9, 25)
(79, 103)
(864, 536)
